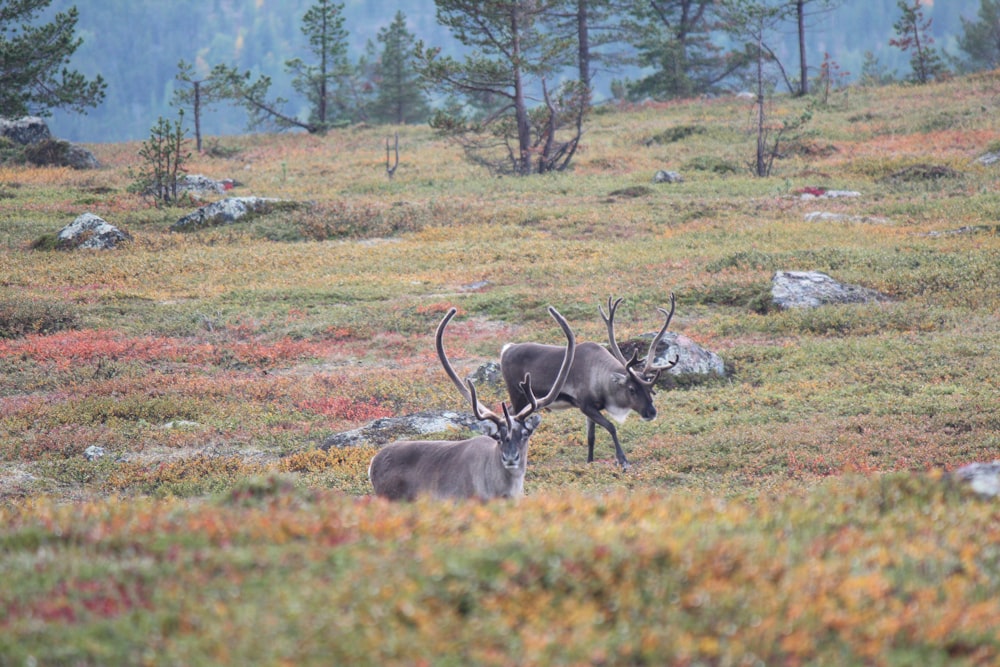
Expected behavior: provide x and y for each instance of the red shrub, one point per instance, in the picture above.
(346, 408)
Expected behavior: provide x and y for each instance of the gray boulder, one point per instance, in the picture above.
(823, 193)
(389, 429)
(58, 153)
(78, 157)
(827, 216)
(667, 177)
(41, 148)
(90, 231)
(487, 375)
(989, 158)
(200, 183)
(26, 130)
(224, 212)
(693, 359)
(93, 453)
(809, 289)
(983, 478)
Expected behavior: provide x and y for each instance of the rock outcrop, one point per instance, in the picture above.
(389, 429)
(224, 212)
(809, 289)
(90, 231)
(24, 131)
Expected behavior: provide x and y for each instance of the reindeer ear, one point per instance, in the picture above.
(619, 379)
(532, 422)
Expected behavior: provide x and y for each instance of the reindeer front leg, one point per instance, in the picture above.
(596, 416)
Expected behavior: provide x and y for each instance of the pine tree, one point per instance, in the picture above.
(326, 84)
(980, 40)
(198, 94)
(512, 57)
(673, 38)
(914, 36)
(323, 25)
(34, 77)
(400, 98)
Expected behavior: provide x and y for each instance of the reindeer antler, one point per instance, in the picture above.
(568, 356)
(469, 392)
(609, 321)
(648, 367)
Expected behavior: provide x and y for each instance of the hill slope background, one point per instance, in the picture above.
(799, 511)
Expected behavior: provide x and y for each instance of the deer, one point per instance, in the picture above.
(599, 379)
(483, 467)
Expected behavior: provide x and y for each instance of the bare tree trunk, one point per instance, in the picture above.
(520, 105)
(800, 13)
(321, 107)
(583, 44)
(197, 115)
(761, 137)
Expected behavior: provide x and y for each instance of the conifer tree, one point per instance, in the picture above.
(506, 113)
(325, 83)
(198, 94)
(980, 40)
(673, 39)
(323, 25)
(400, 98)
(914, 36)
(34, 59)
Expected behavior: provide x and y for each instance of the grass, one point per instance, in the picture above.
(798, 511)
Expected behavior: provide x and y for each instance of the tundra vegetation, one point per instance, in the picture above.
(798, 511)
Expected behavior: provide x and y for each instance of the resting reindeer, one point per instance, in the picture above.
(482, 467)
(598, 380)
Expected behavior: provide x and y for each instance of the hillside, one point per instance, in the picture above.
(798, 511)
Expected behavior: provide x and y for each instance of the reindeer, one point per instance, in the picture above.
(598, 379)
(482, 467)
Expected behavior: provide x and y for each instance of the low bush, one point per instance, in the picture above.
(24, 315)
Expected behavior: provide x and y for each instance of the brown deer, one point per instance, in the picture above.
(599, 380)
(482, 467)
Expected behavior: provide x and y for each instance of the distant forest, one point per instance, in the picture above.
(136, 45)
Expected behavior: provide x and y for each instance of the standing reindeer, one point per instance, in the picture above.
(481, 467)
(598, 379)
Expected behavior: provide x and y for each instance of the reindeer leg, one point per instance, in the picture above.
(595, 416)
(590, 440)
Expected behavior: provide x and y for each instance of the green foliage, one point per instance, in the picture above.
(980, 39)
(714, 164)
(323, 27)
(675, 134)
(674, 40)
(198, 94)
(164, 156)
(11, 152)
(400, 97)
(873, 73)
(512, 51)
(32, 62)
(22, 315)
(329, 86)
(913, 35)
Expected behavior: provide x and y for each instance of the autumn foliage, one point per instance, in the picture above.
(166, 496)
